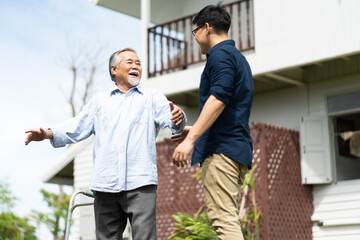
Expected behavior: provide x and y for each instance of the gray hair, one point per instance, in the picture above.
(115, 60)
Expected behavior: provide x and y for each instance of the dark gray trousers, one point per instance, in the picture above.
(113, 209)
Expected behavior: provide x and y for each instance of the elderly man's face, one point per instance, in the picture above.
(129, 69)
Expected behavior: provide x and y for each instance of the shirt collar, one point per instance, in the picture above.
(219, 45)
(115, 90)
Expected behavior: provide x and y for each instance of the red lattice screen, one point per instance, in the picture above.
(285, 204)
(177, 191)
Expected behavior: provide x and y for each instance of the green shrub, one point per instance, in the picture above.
(198, 227)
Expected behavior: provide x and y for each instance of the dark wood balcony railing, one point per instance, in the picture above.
(172, 46)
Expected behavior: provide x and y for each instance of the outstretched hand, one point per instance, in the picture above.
(183, 151)
(37, 135)
(177, 115)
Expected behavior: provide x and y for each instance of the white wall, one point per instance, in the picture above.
(177, 82)
(320, 90)
(282, 107)
(191, 6)
(292, 32)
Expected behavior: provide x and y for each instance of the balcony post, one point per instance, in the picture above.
(145, 20)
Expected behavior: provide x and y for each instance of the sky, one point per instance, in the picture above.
(36, 36)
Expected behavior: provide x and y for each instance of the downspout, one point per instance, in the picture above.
(145, 20)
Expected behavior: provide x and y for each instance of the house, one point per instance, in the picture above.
(305, 58)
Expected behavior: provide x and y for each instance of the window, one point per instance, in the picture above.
(344, 115)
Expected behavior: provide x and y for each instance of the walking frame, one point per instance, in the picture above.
(72, 207)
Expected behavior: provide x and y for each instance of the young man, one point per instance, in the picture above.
(220, 138)
(125, 121)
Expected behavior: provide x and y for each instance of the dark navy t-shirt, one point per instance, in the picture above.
(227, 76)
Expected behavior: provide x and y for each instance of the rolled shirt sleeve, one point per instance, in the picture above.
(163, 113)
(75, 129)
(222, 77)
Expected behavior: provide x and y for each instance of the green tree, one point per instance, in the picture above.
(56, 219)
(6, 197)
(11, 225)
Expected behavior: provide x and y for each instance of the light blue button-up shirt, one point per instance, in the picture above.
(125, 128)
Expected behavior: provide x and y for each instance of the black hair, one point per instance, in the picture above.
(217, 17)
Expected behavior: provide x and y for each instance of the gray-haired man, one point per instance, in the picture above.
(125, 121)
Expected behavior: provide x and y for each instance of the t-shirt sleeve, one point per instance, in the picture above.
(222, 70)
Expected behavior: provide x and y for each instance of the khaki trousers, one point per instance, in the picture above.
(222, 178)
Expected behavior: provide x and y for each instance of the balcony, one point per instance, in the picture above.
(172, 46)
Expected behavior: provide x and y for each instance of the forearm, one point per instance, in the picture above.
(68, 134)
(49, 134)
(210, 112)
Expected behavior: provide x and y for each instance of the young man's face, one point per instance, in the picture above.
(129, 69)
(202, 39)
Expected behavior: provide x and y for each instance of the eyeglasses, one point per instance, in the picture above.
(195, 30)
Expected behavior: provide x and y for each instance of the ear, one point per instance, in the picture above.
(208, 28)
(113, 70)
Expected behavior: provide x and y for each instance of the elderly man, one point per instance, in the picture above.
(125, 121)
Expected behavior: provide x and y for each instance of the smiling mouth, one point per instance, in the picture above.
(134, 74)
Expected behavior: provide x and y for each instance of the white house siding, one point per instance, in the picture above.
(84, 223)
(337, 208)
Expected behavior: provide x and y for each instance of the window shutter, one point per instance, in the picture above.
(315, 150)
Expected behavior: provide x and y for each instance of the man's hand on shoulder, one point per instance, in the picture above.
(38, 135)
